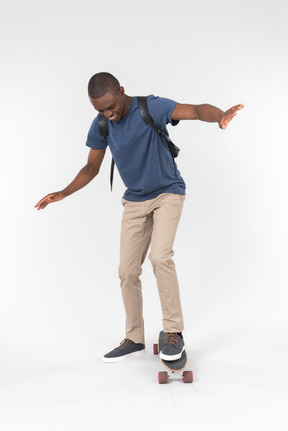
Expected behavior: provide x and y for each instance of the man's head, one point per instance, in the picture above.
(101, 84)
(107, 96)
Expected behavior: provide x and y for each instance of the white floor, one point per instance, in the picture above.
(240, 383)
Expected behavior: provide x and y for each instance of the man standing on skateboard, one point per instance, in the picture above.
(152, 202)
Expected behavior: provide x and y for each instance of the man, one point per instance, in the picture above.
(152, 202)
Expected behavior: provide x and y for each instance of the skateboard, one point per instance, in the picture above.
(173, 366)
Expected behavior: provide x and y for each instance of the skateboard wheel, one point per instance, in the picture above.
(162, 377)
(187, 376)
(155, 349)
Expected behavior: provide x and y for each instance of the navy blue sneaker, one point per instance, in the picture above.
(174, 346)
(126, 349)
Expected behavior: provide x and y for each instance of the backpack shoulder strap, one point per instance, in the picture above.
(104, 131)
(103, 126)
(143, 108)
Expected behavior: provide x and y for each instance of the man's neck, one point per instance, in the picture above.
(127, 103)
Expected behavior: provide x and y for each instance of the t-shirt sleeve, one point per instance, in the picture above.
(94, 139)
(161, 110)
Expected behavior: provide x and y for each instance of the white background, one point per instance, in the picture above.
(60, 305)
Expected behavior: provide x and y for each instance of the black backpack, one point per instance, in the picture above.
(143, 108)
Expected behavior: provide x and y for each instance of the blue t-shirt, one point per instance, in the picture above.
(143, 159)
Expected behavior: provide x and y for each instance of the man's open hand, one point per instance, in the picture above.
(52, 197)
(228, 115)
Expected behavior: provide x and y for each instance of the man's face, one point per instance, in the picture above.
(110, 105)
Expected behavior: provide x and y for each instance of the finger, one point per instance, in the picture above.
(230, 116)
(42, 200)
(38, 203)
(48, 199)
(38, 206)
(42, 206)
(227, 118)
(236, 108)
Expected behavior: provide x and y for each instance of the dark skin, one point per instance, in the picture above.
(115, 106)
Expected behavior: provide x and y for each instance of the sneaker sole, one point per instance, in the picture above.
(170, 357)
(120, 358)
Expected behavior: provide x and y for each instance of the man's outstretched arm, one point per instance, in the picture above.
(205, 112)
(87, 173)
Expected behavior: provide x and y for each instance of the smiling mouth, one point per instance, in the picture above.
(113, 117)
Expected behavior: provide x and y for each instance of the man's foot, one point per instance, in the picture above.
(126, 349)
(174, 346)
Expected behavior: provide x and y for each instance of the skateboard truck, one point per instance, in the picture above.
(163, 376)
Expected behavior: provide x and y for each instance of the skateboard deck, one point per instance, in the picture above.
(173, 366)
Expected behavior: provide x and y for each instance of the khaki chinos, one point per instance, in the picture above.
(152, 222)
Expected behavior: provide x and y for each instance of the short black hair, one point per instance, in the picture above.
(102, 83)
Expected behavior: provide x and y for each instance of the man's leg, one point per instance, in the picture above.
(166, 216)
(135, 239)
